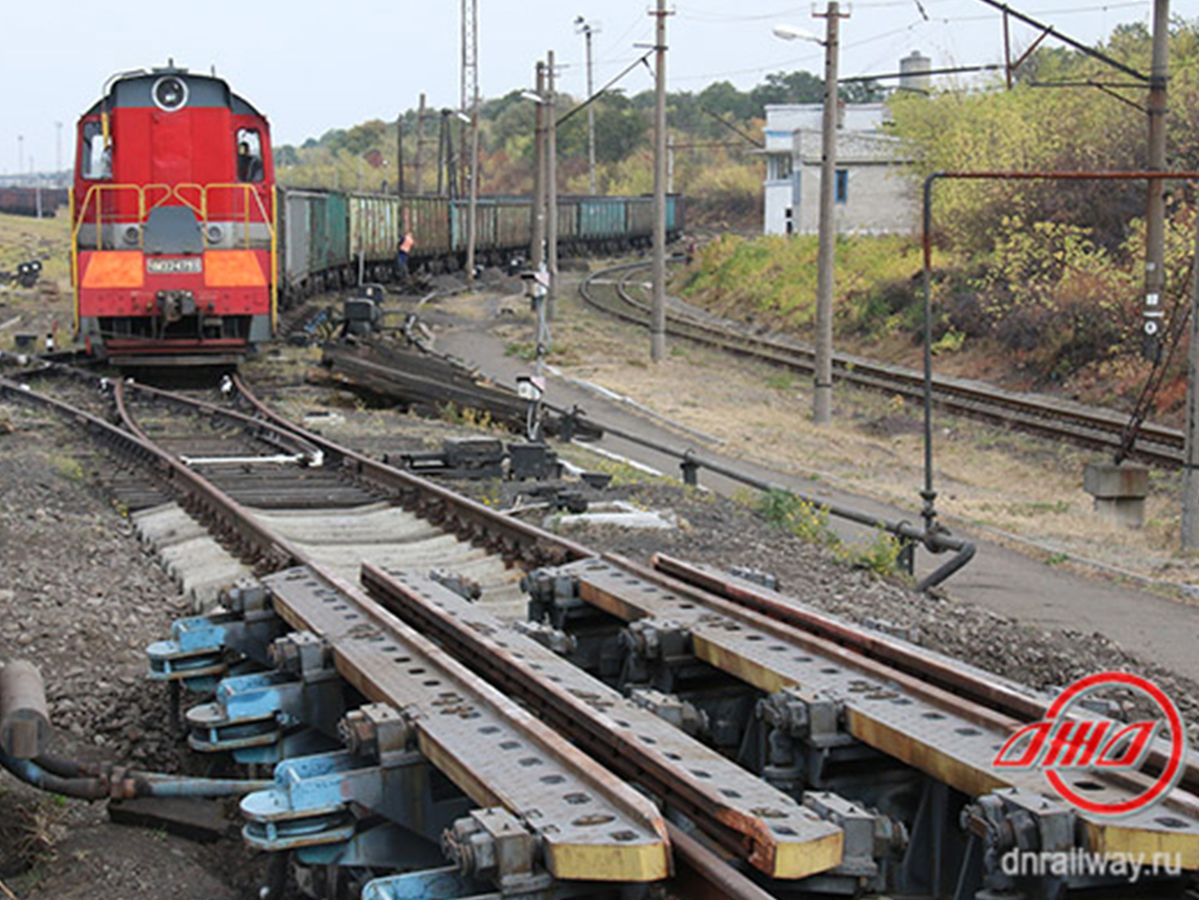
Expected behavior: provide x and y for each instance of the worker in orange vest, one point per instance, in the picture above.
(402, 251)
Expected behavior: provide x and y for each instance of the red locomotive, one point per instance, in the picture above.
(174, 231)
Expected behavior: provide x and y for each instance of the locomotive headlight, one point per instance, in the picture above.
(170, 93)
(131, 235)
(215, 234)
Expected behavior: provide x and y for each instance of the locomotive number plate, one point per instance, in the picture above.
(192, 266)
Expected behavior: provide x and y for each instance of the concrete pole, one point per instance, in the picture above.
(537, 251)
(472, 220)
(400, 155)
(20, 156)
(58, 149)
(670, 164)
(441, 153)
(590, 120)
(417, 184)
(1155, 207)
(1190, 470)
(658, 308)
(822, 377)
(551, 185)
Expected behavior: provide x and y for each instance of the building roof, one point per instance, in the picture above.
(783, 120)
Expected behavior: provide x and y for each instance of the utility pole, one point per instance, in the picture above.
(551, 185)
(20, 155)
(537, 251)
(58, 149)
(822, 378)
(37, 185)
(589, 30)
(418, 186)
(470, 99)
(1190, 466)
(400, 155)
(441, 155)
(445, 157)
(670, 164)
(658, 308)
(1155, 207)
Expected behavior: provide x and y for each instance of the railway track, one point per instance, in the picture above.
(374, 651)
(613, 291)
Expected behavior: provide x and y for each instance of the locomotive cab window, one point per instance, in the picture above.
(249, 155)
(95, 158)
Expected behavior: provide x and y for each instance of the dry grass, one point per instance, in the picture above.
(985, 475)
(37, 310)
(23, 238)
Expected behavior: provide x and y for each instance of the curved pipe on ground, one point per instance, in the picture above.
(86, 781)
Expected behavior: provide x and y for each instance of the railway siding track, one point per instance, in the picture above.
(372, 703)
(1086, 426)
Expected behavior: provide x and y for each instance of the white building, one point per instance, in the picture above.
(874, 193)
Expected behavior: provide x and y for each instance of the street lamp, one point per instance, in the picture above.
(795, 33)
(822, 377)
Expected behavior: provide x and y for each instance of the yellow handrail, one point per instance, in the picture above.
(95, 195)
(274, 258)
(74, 259)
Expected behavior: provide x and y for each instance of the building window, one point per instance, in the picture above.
(778, 167)
(841, 192)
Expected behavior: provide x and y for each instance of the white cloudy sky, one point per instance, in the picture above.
(312, 65)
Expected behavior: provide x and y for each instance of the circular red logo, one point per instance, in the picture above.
(1170, 773)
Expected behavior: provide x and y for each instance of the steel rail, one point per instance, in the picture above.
(512, 538)
(748, 817)
(1092, 428)
(913, 685)
(354, 652)
(971, 684)
(696, 860)
(947, 737)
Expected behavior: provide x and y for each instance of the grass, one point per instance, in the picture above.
(468, 417)
(68, 467)
(23, 238)
(809, 522)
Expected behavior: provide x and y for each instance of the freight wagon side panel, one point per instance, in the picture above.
(296, 236)
(568, 219)
(374, 226)
(640, 218)
(430, 225)
(514, 224)
(602, 217)
(335, 232)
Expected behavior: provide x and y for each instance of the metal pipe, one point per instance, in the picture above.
(103, 782)
(938, 541)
